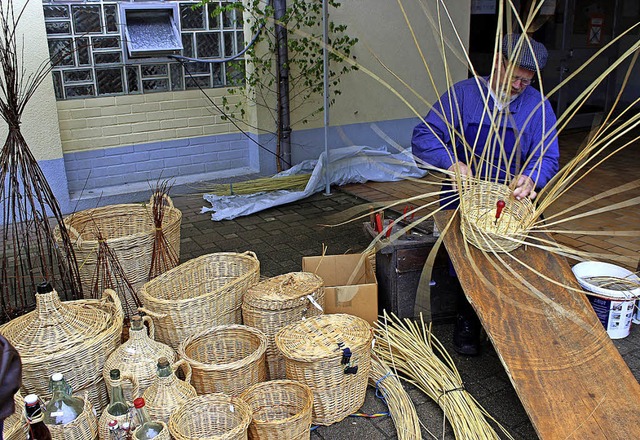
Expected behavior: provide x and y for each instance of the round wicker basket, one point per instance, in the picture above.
(105, 418)
(15, 426)
(129, 231)
(281, 409)
(478, 222)
(207, 289)
(84, 427)
(211, 417)
(276, 302)
(225, 359)
(73, 338)
(332, 355)
(138, 357)
(166, 394)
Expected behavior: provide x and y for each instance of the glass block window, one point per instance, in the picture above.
(90, 56)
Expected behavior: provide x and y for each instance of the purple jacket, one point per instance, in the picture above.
(526, 130)
(10, 377)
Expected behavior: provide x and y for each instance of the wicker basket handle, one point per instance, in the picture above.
(134, 383)
(152, 328)
(166, 198)
(287, 281)
(78, 238)
(186, 368)
(110, 293)
(251, 254)
(152, 314)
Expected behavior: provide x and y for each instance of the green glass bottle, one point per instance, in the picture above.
(118, 406)
(62, 408)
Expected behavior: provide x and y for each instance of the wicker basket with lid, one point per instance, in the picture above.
(276, 302)
(73, 338)
(332, 355)
(166, 394)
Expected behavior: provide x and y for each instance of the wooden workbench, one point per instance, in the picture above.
(569, 376)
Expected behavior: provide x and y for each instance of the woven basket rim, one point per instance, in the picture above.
(280, 382)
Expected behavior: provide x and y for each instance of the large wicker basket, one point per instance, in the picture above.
(166, 394)
(205, 290)
(15, 426)
(276, 302)
(84, 427)
(139, 357)
(129, 231)
(211, 417)
(73, 338)
(479, 226)
(225, 359)
(281, 409)
(332, 355)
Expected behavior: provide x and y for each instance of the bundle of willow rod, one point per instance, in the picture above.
(163, 256)
(410, 349)
(401, 407)
(296, 182)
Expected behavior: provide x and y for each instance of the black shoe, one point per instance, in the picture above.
(466, 336)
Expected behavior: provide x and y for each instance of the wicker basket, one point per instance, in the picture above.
(276, 302)
(211, 417)
(84, 427)
(163, 435)
(105, 418)
(478, 206)
(130, 233)
(15, 426)
(139, 357)
(73, 338)
(281, 409)
(166, 394)
(207, 289)
(315, 352)
(226, 359)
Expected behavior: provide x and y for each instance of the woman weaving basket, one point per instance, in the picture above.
(496, 129)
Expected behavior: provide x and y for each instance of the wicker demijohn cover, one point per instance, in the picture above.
(276, 302)
(225, 359)
(332, 355)
(211, 417)
(166, 394)
(73, 338)
(84, 427)
(15, 426)
(105, 418)
(207, 289)
(138, 356)
(281, 409)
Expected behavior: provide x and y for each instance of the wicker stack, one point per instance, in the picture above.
(166, 394)
(15, 426)
(73, 338)
(84, 427)
(281, 410)
(138, 357)
(211, 417)
(226, 359)
(207, 289)
(276, 302)
(332, 355)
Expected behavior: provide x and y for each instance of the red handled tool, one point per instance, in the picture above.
(499, 207)
(378, 223)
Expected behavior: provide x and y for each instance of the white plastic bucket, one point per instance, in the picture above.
(614, 308)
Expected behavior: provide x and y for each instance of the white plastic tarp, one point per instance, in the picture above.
(355, 164)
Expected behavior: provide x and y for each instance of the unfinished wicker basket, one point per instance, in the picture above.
(138, 357)
(226, 358)
(129, 230)
(479, 226)
(332, 355)
(211, 417)
(276, 302)
(281, 409)
(73, 338)
(105, 418)
(207, 289)
(15, 426)
(166, 394)
(84, 427)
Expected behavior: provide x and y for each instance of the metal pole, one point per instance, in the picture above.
(325, 68)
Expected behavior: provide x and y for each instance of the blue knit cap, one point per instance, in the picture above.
(524, 57)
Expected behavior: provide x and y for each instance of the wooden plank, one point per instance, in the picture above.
(569, 376)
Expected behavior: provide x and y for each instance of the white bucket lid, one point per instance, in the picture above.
(583, 271)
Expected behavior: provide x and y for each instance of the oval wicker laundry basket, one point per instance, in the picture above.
(166, 394)
(226, 358)
(84, 427)
(478, 223)
(15, 426)
(211, 417)
(129, 231)
(206, 290)
(276, 302)
(281, 409)
(332, 355)
(73, 338)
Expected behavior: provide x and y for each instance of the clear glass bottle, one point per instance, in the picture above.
(33, 412)
(118, 406)
(148, 428)
(62, 408)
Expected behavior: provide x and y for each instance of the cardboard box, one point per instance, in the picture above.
(350, 284)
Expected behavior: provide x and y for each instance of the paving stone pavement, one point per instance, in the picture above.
(281, 236)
